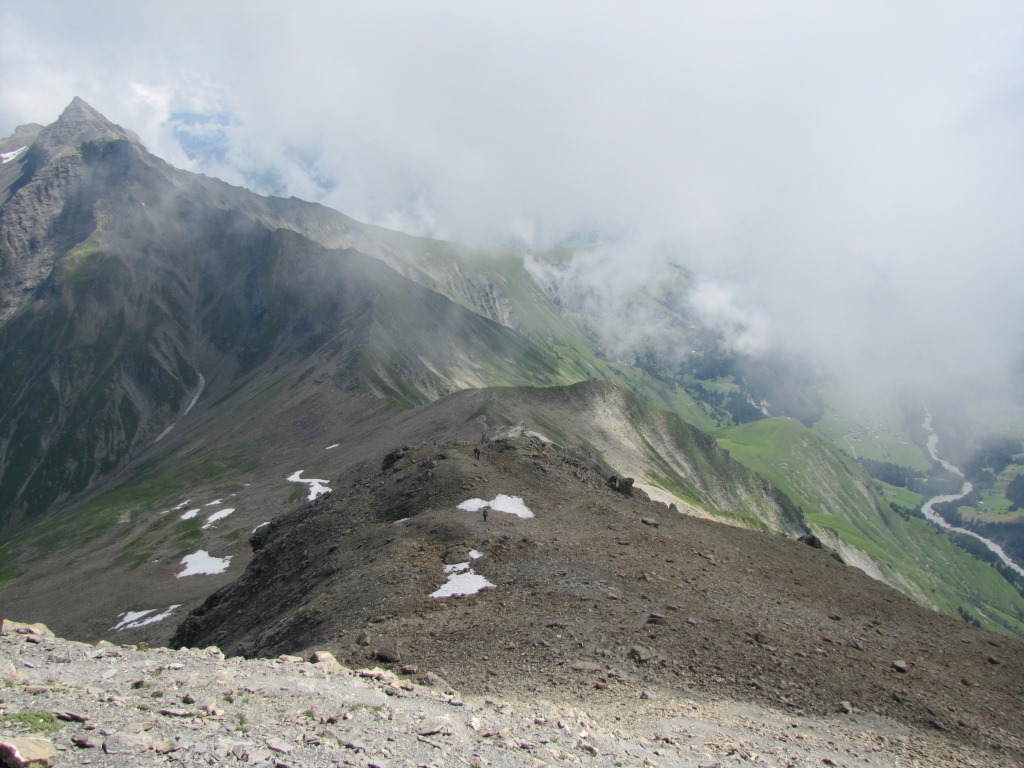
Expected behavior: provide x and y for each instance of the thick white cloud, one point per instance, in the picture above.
(849, 174)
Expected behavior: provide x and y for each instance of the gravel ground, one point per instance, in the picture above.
(108, 705)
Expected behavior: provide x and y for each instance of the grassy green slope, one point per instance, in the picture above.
(838, 497)
(870, 428)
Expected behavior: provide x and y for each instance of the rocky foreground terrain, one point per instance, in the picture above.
(598, 597)
(614, 631)
(71, 703)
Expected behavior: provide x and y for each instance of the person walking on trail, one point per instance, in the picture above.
(485, 511)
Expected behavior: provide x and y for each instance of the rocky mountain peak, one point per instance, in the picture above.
(77, 124)
(80, 113)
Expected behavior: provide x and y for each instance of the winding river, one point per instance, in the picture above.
(929, 506)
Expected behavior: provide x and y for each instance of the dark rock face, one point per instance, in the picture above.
(51, 206)
(813, 541)
(393, 457)
(623, 485)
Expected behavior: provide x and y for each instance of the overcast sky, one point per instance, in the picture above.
(847, 176)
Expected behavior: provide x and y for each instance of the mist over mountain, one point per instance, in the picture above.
(840, 181)
(224, 412)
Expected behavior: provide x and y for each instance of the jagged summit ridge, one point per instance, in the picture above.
(78, 123)
(27, 128)
(48, 198)
(80, 111)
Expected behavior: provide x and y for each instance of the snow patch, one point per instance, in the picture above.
(202, 563)
(213, 503)
(463, 583)
(462, 580)
(130, 617)
(512, 505)
(6, 157)
(218, 515)
(189, 514)
(316, 487)
(329, 447)
(260, 526)
(134, 619)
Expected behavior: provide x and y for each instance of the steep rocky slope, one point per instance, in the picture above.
(596, 595)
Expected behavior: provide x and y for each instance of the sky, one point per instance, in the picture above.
(843, 177)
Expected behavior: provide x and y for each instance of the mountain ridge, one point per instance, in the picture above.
(171, 334)
(595, 581)
(258, 423)
(162, 245)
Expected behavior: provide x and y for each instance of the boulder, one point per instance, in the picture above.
(8, 627)
(640, 654)
(389, 652)
(323, 657)
(623, 485)
(27, 752)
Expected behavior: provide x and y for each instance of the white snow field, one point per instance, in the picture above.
(512, 505)
(218, 515)
(201, 563)
(6, 157)
(462, 580)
